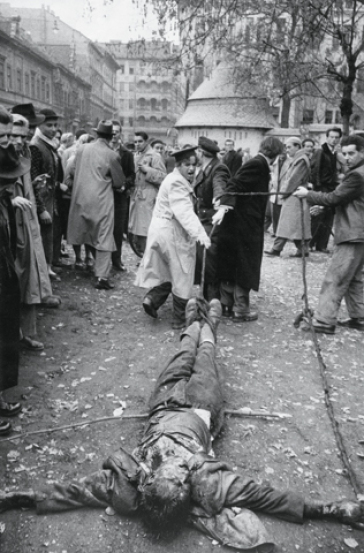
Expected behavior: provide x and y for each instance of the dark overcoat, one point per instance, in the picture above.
(9, 299)
(241, 236)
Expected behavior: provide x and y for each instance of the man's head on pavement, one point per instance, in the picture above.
(229, 144)
(186, 161)
(166, 494)
(352, 148)
(333, 136)
(140, 140)
(207, 148)
(50, 125)
(116, 133)
(271, 147)
(293, 144)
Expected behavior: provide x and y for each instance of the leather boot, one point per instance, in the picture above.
(16, 500)
(179, 306)
(214, 315)
(191, 312)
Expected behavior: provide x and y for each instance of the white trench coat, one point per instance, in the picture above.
(170, 254)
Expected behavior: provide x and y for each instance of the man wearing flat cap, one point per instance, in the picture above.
(46, 161)
(209, 185)
(97, 171)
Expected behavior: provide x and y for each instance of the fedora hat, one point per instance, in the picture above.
(49, 114)
(11, 165)
(28, 111)
(105, 128)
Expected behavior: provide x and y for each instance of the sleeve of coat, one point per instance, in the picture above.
(182, 209)
(219, 180)
(351, 188)
(70, 173)
(315, 169)
(128, 165)
(37, 169)
(299, 176)
(116, 172)
(245, 180)
(156, 171)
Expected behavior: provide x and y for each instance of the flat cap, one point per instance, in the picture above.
(208, 145)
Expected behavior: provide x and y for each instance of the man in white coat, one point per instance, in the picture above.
(169, 260)
(97, 170)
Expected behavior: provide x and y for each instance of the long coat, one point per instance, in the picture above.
(241, 236)
(97, 171)
(170, 253)
(30, 262)
(142, 199)
(290, 221)
(9, 299)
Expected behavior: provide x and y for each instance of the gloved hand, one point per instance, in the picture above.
(204, 241)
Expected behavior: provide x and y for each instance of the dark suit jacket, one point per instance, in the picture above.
(233, 161)
(323, 169)
(241, 236)
(127, 165)
(210, 184)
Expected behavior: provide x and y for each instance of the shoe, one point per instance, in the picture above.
(214, 314)
(52, 275)
(272, 252)
(104, 284)
(149, 308)
(191, 312)
(321, 328)
(324, 250)
(9, 409)
(51, 302)
(5, 428)
(80, 265)
(298, 254)
(246, 317)
(56, 268)
(355, 323)
(227, 311)
(119, 266)
(31, 344)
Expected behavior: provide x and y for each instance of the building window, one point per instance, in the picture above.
(38, 88)
(164, 103)
(9, 78)
(328, 117)
(307, 116)
(2, 74)
(131, 70)
(337, 118)
(131, 87)
(43, 89)
(47, 92)
(131, 104)
(131, 122)
(122, 69)
(32, 84)
(19, 80)
(27, 84)
(121, 119)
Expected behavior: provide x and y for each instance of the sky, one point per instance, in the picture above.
(101, 20)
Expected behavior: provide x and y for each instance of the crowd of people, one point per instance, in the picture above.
(195, 215)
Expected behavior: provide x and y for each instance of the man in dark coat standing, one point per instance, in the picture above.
(324, 179)
(232, 159)
(209, 185)
(121, 196)
(241, 235)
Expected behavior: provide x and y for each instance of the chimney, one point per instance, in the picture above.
(15, 26)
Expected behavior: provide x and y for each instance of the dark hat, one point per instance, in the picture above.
(49, 114)
(185, 152)
(11, 165)
(104, 127)
(208, 145)
(28, 111)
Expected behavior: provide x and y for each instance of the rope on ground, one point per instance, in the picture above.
(323, 370)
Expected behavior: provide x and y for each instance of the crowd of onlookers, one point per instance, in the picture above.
(192, 214)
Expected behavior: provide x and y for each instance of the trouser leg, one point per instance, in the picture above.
(279, 243)
(204, 390)
(178, 368)
(354, 297)
(268, 216)
(47, 239)
(298, 244)
(28, 320)
(102, 264)
(241, 300)
(57, 238)
(118, 227)
(227, 293)
(77, 250)
(344, 265)
(276, 213)
(179, 308)
(324, 232)
(159, 294)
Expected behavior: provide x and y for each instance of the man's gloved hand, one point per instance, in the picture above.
(45, 218)
(22, 203)
(204, 241)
